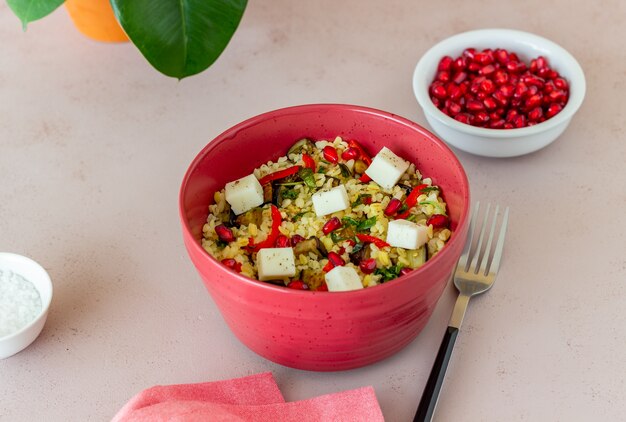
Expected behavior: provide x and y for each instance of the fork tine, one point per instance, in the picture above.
(492, 232)
(470, 233)
(495, 262)
(479, 246)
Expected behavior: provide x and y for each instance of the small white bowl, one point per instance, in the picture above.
(35, 273)
(499, 142)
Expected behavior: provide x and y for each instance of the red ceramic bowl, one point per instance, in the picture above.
(322, 331)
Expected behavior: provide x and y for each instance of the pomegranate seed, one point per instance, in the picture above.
(561, 83)
(298, 285)
(502, 56)
(224, 233)
(463, 118)
(445, 63)
(474, 105)
(474, 67)
(513, 56)
(295, 239)
(439, 91)
(533, 80)
(549, 87)
(232, 264)
(533, 101)
(469, 53)
(350, 242)
(511, 115)
(368, 266)
(490, 103)
(459, 63)
(483, 58)
(438, 221)
(393, 207)
(459, 77)
(515, 67)
(350, 154)
(331, 225)
(454, 92)
(367, 200)
(500, 98)
(497, 124)
(330, 153)
(481, 95)
(519, 121)
(487, 70)
(520, 90)
(557, 95)
(283, 241)
(454, 109)
(535, 114)
(443, 76)
(507, 90)
(508, 126)
(405, 271)
(481, 117)
(495, 115)
(553, 110)
(500, 77)
(487, 86)
(335, 259)
(322, 287)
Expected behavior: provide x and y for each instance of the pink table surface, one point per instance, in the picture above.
(94, 143)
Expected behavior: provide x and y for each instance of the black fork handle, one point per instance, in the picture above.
(428, 402)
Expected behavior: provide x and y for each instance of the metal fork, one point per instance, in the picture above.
(475, 273)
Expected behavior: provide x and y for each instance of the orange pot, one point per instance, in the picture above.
(96, 20)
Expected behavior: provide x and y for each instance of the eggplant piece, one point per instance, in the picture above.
(407, 188)
(312, 244)
(360, 166)
(255, 215)
(313, 279)
(361, 255)
(303, 145)
(418, 257)
(268, 193)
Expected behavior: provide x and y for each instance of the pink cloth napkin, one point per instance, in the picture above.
(255, 398)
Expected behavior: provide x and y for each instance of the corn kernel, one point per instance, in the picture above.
(383, 258)
(328, 243)
(253, 229)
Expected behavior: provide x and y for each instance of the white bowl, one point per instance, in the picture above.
(33, 272)
(499, 142)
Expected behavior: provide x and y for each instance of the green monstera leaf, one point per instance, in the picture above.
(31, 10)
(180, 37)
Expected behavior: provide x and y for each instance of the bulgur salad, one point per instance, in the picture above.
(328, 216)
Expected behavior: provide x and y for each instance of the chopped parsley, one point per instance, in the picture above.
(389, 273)
(366, 224)
(360, 198)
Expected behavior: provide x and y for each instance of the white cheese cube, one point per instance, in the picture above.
(406, 234)
(341, 279)
(386, 168)
(328, 201)
(244, 194)
(275, 263)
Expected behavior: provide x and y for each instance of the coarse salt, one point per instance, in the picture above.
(20, 302)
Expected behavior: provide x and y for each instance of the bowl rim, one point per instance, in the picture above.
(434, 54)
(322, 107)
(45, 305)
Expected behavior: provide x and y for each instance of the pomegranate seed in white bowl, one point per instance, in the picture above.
(516, 99)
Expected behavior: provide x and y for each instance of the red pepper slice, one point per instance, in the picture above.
(363, 155)
(328, 267)
(411, 200)
(308, 161)
(364, 178)
(402, 216)
(279, 174)
(277, 219)
(366, 238)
